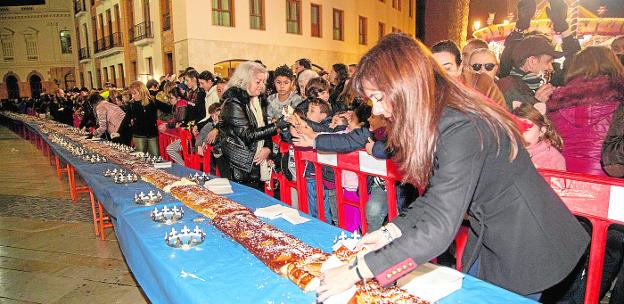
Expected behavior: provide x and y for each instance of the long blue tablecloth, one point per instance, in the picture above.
(219, 270)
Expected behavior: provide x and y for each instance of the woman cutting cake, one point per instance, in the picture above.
(469, 155)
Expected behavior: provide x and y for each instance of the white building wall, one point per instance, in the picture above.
(200, 44)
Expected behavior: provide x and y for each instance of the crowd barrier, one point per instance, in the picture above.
(598, 199)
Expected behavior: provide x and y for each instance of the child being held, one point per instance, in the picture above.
(541, 139)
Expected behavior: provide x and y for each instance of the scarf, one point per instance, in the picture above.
(256, 109)
(532, 80)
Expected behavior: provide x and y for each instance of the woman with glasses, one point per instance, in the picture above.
(448, 56)
(484, 61)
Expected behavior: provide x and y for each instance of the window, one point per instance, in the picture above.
(117, 19)
(7, 48)
(150, 66)
(315, 12)
(90, 79)
(382, 30)
(134, 69)
(222, 13)
(99, 78)
(86, 34)
(101, 20)
(363, 30)
(146, 11)
(114, 75)
(169, 63)
(396, 4)
(109, 22)
(121, 74)
(256, 14)
(66, 45)
(411, 7)
(95, 28)
(31, 47)
(105, 72)
(338, 25)
(293, 16)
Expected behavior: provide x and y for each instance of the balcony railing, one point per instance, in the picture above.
(141, 31)
(83, 53)
(166, 22)
(79, 6)
(108, 42)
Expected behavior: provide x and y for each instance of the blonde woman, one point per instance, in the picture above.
(144, 113)
(484, 61)
(244, 128)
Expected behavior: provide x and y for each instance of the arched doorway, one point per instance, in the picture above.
(12, 87)
(70, 81)
(35, 86)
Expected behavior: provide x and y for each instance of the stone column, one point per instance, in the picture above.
(446, 19)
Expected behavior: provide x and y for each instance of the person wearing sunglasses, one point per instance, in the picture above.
(484, 61)
(448, 56)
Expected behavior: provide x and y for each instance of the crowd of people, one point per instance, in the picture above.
(466, 125)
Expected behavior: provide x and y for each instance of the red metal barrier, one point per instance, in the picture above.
(362, 165)
(601, 201)
(164, 139)
(192, 159)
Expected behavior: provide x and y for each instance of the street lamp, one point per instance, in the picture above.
(476, 25)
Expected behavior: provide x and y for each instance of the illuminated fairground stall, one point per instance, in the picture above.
(592, 29)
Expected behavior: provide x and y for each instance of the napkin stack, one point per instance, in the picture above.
(277, 211)
(431, 282)
(219, 186)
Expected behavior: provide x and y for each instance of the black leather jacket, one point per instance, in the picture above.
(238, 122)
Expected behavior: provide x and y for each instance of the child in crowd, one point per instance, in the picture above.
(201, 145)
(285, 94)
(541, 139)
(318, 112)
(179, 119)
(315, 88)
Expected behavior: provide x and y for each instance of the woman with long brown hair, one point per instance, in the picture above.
(468, 154)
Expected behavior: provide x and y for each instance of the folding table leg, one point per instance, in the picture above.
(58, 166)
(103, 218)
(93, 211)
(72, 183)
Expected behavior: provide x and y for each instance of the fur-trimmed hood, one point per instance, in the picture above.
(584, 91)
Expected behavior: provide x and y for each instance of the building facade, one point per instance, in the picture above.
(122, 41)
(125, 40)
(217, 34)
(37, 48)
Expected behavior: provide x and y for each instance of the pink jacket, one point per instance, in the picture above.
(581, 111)
(109, 117)
(545, 156)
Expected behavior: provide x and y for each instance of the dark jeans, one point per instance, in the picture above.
(572, 290)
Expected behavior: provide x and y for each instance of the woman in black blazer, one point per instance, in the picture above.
(469, 154)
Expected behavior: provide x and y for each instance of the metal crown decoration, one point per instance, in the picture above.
(120, 176)
(186, 238)
(198, 178)
(148, 199)
(167, 215)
